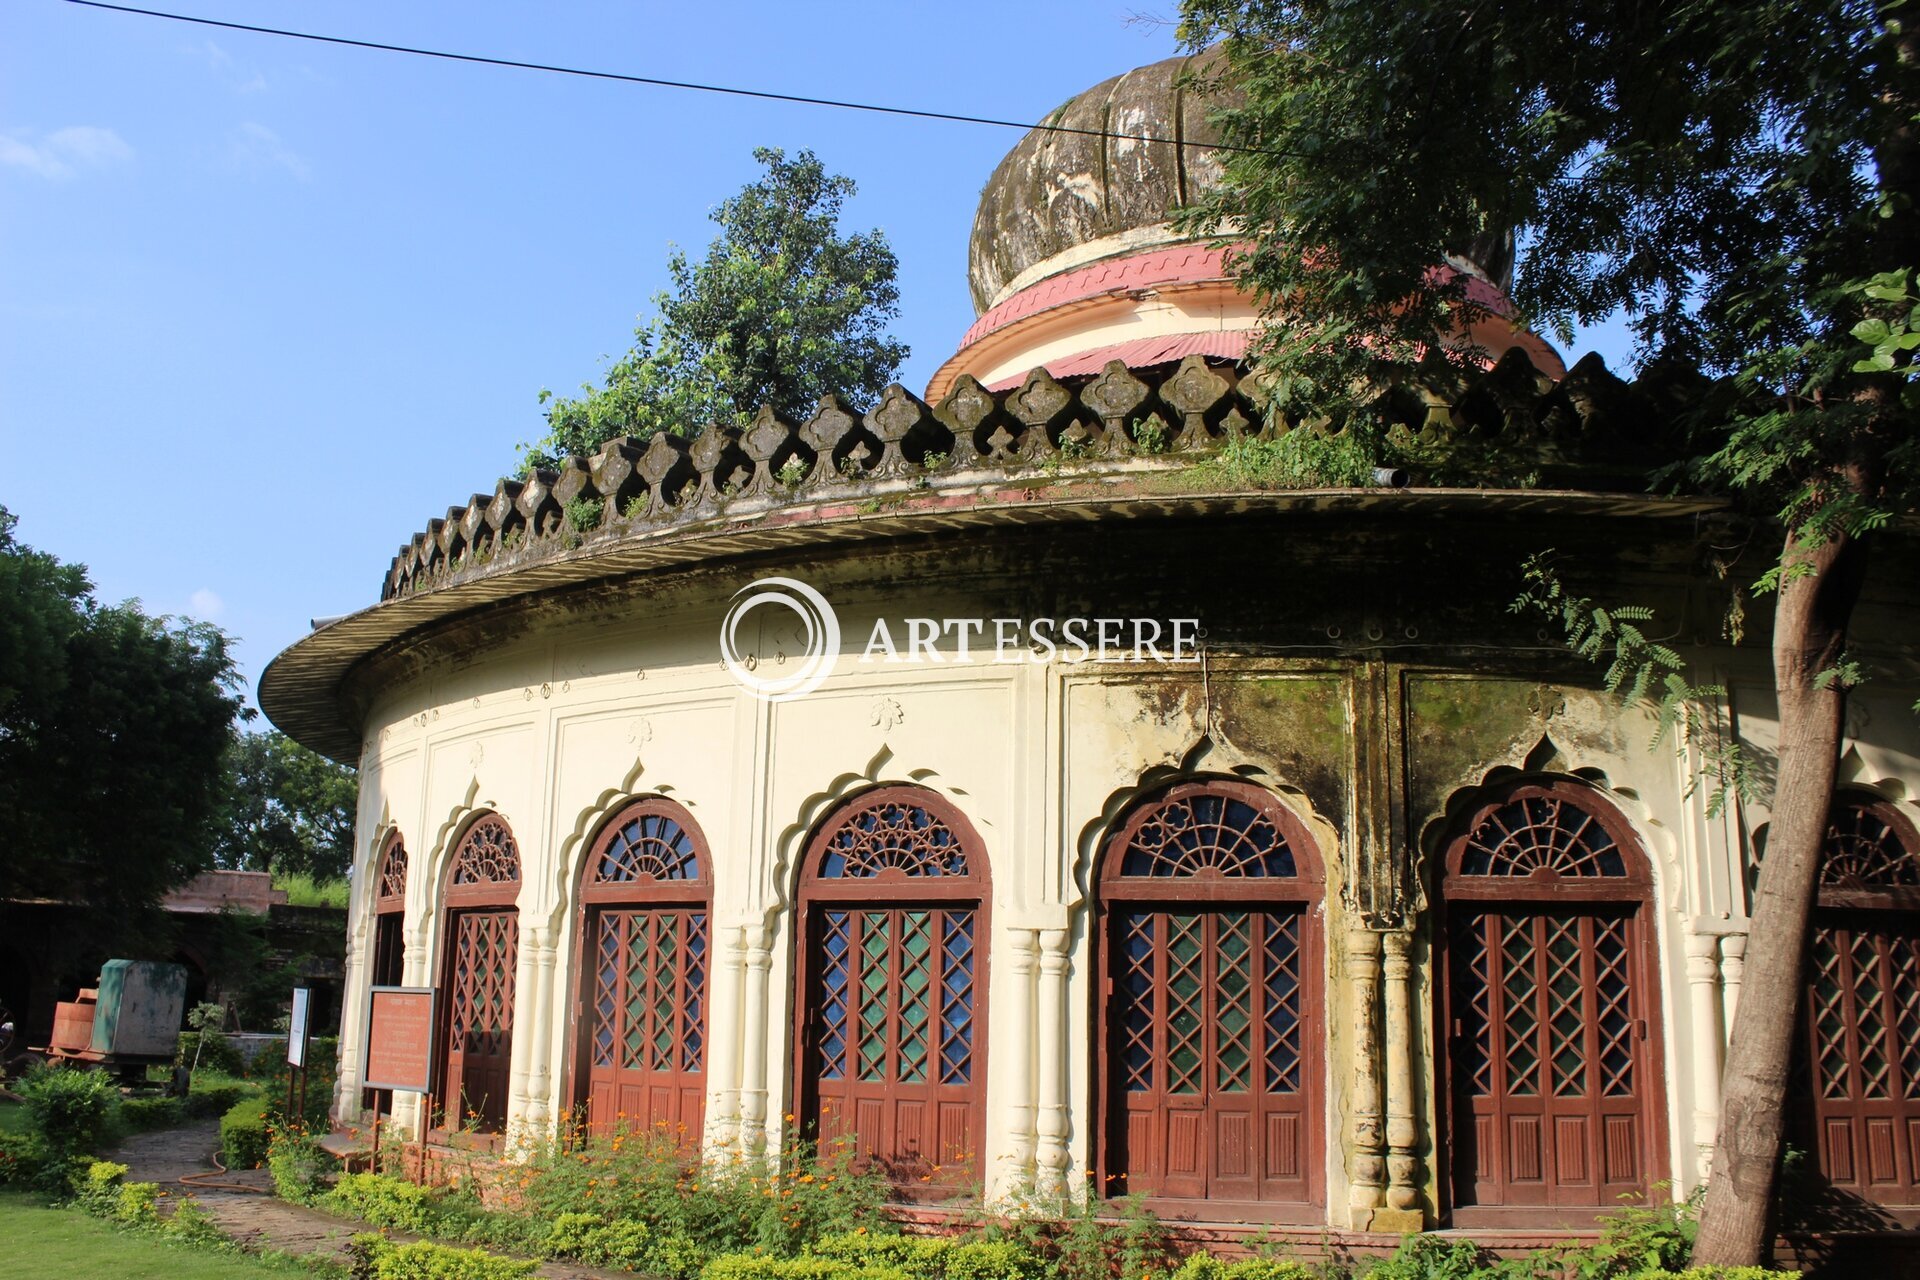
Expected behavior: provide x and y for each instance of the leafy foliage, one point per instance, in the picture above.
(1639, 668)
(111, 721)
(783, 309)
(285, 809)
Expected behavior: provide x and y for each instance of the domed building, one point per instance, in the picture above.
(989, 780)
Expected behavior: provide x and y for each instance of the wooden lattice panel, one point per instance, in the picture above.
(480, 984)
(1548, 1064)
(894, 894)
(1555, 1099)
(647, 1022)
(1210, 1091)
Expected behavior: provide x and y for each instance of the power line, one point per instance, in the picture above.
(659, 83)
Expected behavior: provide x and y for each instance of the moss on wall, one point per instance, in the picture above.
(1301, 722)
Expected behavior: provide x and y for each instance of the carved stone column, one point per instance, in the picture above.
(1050, 1152)
(1403, 1212)
(758, 941)
(353, 1013)
(525, 1043)
(1017, 1168)
(1703, 989)
(725, 1016)
(1366, 1156)
(1733, 971)
(541, 1069)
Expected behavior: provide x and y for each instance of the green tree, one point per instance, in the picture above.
(285, 808)
(1740, 179)
(112, 729)
(783, 309)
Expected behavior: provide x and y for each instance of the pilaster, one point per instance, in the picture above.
(1704, 997)
(757, 939)
(726, 1015)
(1050, 1153)
(1403, 1212)
(1017, 1160)
(1367, 1141)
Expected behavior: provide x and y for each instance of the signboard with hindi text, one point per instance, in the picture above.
(400, 1039)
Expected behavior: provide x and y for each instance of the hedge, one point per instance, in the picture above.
(243, 1134)
(371, 1257)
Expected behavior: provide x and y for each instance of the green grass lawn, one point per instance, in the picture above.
(65, 1242)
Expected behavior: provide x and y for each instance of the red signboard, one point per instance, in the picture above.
(400, 1039)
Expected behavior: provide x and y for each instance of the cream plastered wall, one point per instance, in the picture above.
(555, 722)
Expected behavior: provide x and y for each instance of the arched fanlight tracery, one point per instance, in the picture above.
(390, 886)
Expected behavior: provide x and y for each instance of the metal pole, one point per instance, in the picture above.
(376, 1131)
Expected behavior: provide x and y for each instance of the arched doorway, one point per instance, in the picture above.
(1861, 1110)
(387, 965)
(1550, 1007)
(1212, 1045)
(390, 915)
(891, 1044)
(482, 931)
(642, 1030)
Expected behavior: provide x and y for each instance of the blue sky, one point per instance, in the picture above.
(268, 306)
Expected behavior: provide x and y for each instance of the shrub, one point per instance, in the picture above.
(761, 1266)
(1424, 1257)
(216, 1096)
(726, 1207)
(298, 1165)
(139, 1115)
(70, 1110)
(1719, 1273)
(22, 1157)
(624, 1243)
(98, 1191)
(214, 1052)
(371, 1257)
(384, 1201)
(993, 1260)
(104, 1192)
(191, 1225)
(1204, 1266)
(243, 1134)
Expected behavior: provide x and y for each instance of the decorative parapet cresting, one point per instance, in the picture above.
(1110, 426)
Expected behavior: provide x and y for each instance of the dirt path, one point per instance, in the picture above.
(260, 1221)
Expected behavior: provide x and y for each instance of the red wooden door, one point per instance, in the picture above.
(1210, 955)
(485, 948)
(481, 929)
(893, 1068)
(1208, 1011)
(1861, 1100)
(892, 1031)
(1550, 1068)
(648, 1022)
(1550, 1007)
(643, 980)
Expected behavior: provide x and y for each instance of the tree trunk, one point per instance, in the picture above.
(1810, 622)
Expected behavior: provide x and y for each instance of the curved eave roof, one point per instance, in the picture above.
(304, 689)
